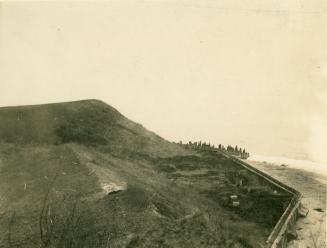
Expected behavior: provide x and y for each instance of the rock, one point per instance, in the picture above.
(319, 210)
(291, 235)
(302, 212)
(110, 188)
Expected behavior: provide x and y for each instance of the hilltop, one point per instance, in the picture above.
(88, 122)
(80, 174)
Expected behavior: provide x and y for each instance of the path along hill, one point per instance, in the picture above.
(80, 174)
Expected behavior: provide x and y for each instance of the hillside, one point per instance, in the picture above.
(89, 122)
(80, 174)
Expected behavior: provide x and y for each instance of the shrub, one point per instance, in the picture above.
(84, 127)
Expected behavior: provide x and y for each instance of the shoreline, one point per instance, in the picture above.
(319, 168)
(311, 230)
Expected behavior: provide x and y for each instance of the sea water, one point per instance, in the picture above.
(307, 165)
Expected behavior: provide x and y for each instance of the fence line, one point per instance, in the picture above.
(278, 237)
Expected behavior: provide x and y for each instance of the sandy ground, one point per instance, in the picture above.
(312, 229)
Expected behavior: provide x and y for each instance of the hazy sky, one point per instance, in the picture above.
(251, 73)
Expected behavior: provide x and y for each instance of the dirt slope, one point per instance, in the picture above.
(82, 175)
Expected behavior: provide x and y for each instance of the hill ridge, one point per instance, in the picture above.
(88, 122)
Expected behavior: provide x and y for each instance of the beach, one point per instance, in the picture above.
(310, 179)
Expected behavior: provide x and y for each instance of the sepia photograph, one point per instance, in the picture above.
(163, 124)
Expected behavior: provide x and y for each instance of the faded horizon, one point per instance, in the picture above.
(241, 72)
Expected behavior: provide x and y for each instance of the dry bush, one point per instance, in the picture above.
(67, 222)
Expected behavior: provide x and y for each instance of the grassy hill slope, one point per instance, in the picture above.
(82, 175)
(89, 122)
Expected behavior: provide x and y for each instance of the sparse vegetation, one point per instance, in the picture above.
(76, 129)
(68, 223)
(170, 195)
